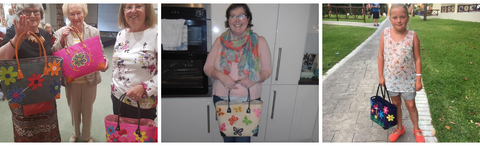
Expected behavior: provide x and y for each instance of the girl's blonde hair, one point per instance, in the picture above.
(399, 5)
(150, 17)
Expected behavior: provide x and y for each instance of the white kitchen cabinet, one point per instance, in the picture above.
(186, 119)
(290, 43)
(280, 112)
(305, 113)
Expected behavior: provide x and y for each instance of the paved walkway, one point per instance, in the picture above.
(347, 88)
(350, 23)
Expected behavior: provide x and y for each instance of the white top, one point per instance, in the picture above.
(399, 67)
(135, 63)
(10, 19)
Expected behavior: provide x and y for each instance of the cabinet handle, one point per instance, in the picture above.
(273, 107)
(278, 63)
(208, 118)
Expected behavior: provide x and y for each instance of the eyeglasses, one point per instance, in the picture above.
(27, 12)
(233, 17)
(131, 7)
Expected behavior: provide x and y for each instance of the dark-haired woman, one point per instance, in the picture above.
(239, 60)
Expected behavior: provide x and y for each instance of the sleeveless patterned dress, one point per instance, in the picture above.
(399, 66)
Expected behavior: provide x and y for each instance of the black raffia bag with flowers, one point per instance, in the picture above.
(383, 112)
(31, 83)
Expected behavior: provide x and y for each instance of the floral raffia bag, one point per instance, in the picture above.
(123, 129)
(36, 85)
(82, 58)
(383, 112)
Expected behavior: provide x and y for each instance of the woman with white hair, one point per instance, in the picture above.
(43, 126)
(82, 92)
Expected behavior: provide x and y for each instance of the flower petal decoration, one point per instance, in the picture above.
(110, 130)
(8, 75)
(390, 117)
(54, 68)
(79, 59)
(385, 110)
(55, 87)
(16, 94)
(36, 80)
(142, 133)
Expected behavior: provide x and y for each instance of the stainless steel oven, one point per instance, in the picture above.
(182, 71)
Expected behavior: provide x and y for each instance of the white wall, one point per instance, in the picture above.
(470, 16)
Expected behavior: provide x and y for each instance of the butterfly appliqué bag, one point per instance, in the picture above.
(239, 119)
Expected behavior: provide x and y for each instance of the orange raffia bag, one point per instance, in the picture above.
(82, 58)
(34, 88)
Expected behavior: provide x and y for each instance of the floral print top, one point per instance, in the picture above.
(399, 64)
(135, 63)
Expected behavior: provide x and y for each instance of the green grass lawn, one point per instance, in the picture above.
(380, 20)
(340, 39)
(450, 52)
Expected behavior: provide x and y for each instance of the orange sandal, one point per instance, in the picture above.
(420, 139)
(393, 137)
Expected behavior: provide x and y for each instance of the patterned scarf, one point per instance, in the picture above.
(248, 62)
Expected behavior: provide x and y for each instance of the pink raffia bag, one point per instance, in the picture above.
(82, 58)
(123, 129)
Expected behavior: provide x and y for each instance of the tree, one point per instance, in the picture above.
(425, 12)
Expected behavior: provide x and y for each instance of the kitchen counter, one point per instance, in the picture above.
(308, 81)
(209, 94)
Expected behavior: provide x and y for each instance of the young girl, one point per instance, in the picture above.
(400, 68)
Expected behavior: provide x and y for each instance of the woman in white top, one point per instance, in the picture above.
(135, 61)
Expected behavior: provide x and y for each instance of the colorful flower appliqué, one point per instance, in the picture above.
(385, 110)
(110, 130)
(8, 75)
(390, 117)
(16, 94)
(115, 138)
(55, 87)
(54, 68)
(79, 59)
(381, 115)
(142, 134)
(35, 81)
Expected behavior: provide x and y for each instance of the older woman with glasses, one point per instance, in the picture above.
(41, 127)
(239, 60)
(82, 92)
(135, 62)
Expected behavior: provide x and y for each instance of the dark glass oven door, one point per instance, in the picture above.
(183, 74)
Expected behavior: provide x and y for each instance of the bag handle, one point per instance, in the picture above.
(383, 92)
(119, 114)
(248, 100)
(78, 34)
(40, 46)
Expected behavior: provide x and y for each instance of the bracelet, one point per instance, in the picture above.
(11, 44)
(419, 74)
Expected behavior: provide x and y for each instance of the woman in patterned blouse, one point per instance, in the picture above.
(135, 62)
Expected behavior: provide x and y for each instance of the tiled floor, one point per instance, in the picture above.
(101, 108)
